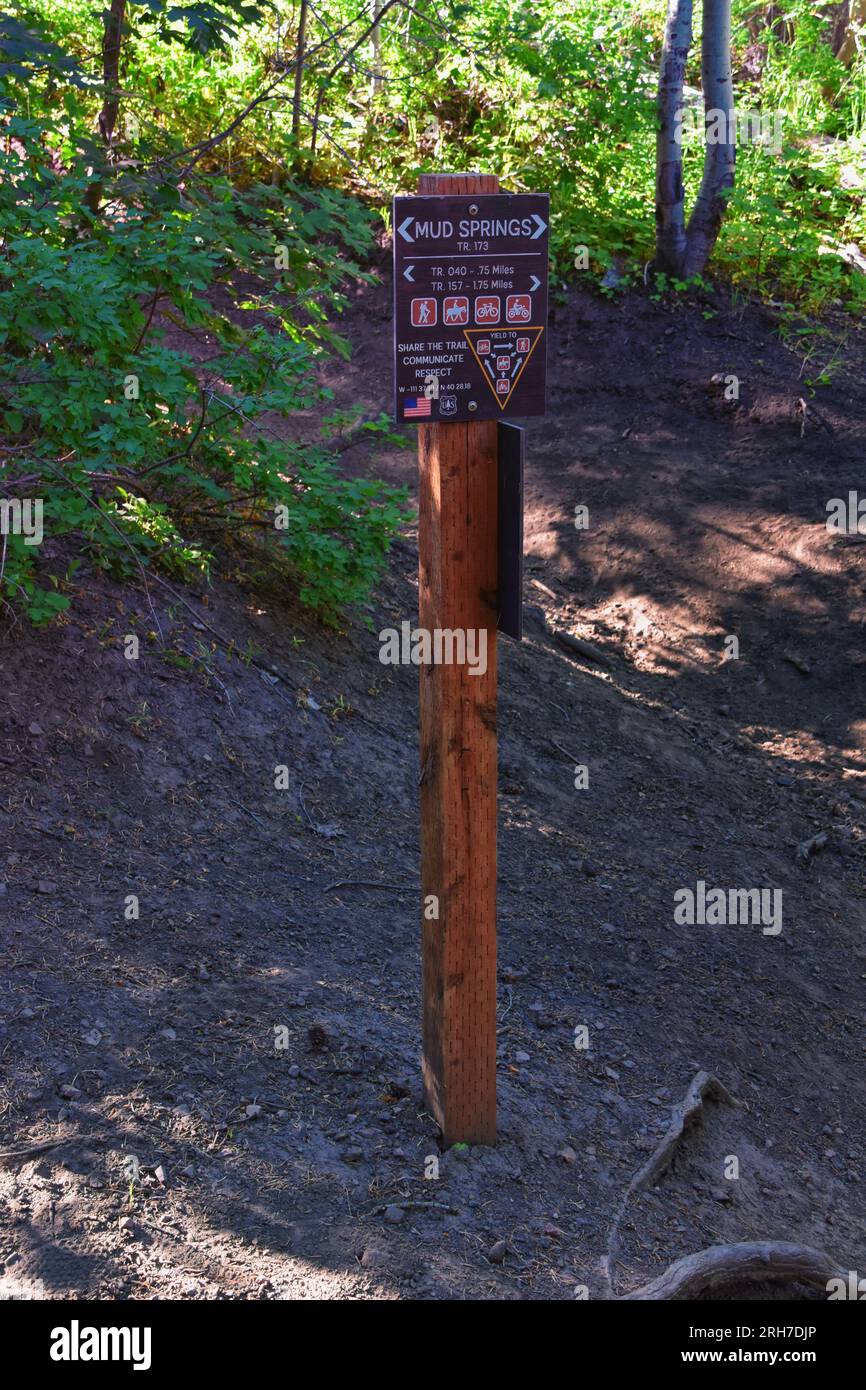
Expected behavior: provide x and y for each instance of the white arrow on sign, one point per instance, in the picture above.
(535, 283)
(406, 223)
(407, 274)
(541, 226)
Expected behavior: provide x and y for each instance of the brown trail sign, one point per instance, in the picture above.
(470, 304)
(460, 522)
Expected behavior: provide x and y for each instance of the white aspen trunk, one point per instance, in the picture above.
(720, 135)
(854, 35)
(670, 195)
(376, 82)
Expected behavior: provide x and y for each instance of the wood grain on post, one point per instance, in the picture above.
(457, 544)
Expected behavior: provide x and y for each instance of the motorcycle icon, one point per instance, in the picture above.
(518, 308)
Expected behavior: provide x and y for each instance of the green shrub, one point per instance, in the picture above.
(139, 448)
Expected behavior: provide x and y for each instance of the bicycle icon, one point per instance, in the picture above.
(487, 308)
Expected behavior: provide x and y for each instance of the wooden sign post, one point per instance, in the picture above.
(457, 545)
(470, 310)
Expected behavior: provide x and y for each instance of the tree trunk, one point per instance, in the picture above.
(720, 134)
(670, 194)
(776, 21)
(345, 56)
(376, 83)
(850, 37)
(299, 73)
(683, 250)
(112, 35)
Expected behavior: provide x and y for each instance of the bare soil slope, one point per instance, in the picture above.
(251, 1036)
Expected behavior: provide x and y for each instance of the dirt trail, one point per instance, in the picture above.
(251, 1036)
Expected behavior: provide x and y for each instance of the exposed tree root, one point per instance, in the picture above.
(725, 1266)
(10, 1157)
(683, 1117)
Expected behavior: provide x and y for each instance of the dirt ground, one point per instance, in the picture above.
(226, 1074)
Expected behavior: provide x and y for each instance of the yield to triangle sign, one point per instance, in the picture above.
(502, 355)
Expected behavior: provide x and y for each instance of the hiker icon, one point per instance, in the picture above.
(423, 313)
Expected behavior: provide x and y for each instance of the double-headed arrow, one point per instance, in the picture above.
(540, 226)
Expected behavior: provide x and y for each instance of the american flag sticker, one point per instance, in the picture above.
(415, 406)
